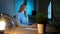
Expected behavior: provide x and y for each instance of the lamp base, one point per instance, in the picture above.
(1, 32)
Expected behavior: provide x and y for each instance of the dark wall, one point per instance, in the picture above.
(42, 6)
(7, 6)
(56, 8)
(11, 6)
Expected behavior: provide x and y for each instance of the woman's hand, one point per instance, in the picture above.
(33, 26)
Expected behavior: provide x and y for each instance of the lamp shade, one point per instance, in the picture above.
(6, 24)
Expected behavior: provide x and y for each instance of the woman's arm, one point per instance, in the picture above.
(18, 20)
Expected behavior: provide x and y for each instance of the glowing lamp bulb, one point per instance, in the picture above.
(2, 25)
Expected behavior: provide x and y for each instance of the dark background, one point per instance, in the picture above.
(10, 7)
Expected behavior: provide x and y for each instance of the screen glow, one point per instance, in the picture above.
(49, 11)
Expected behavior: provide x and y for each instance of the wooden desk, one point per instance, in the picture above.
(20, 30)
(24, 31)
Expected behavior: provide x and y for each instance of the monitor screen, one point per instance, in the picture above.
(49, 11)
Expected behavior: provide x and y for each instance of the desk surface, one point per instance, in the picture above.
(20, 30)
(24, 31)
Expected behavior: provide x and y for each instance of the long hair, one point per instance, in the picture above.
(22, 7)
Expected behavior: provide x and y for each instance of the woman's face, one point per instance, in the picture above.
(25, 9)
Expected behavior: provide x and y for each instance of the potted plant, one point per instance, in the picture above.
(41, 21)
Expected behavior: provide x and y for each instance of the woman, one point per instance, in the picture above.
(22, 17)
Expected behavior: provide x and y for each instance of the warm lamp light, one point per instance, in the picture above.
(2, 25)
(6, 24)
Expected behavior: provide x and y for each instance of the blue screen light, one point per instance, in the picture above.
(30, 6)
(49, 11)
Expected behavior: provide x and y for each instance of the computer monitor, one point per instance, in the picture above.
(49, 11)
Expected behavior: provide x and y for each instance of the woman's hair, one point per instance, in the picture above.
(22, 7)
